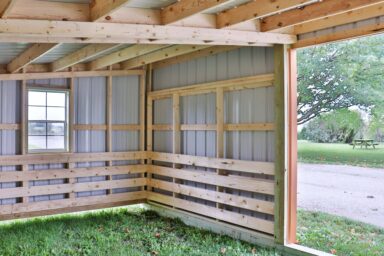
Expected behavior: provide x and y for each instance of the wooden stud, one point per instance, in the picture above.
(219, 133)
(24, 131)
(109, 121)
(176, 133)
(292, 148)
(280, 147)
(142, 117)
(71, 134)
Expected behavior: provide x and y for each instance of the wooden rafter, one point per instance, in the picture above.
(257, 9)
(122, 55)
(101, 9)
(68, 31)
(28, 56)
(166, 53)
(341, 19)
(342, 35)
(314, 11)
(185, 8)
(193, 55)
(81, 55)
(5, 7)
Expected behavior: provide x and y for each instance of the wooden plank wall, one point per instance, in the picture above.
(39, 184)
(206, 185)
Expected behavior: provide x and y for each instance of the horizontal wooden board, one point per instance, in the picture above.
(231, 84)
(9, 126)
(103, 127)
(236, 182)
(70, 158)
(250, 127)
(218, 163)
(70, 173)
(70, 188)
(220, 214)
(64, 204)
(214, 196)
(212, 127)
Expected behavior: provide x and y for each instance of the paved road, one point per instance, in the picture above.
(353, 192)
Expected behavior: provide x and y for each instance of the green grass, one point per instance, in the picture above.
(339, 235)
(327, 153)
(120, 231)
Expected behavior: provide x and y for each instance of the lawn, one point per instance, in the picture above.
(327, 153)
(339, 235)
(121, 231)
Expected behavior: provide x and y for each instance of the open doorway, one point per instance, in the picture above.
(337, 135)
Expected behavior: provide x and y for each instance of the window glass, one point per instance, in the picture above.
(56, 99)
(36, 113)
(47, 121)
(37, 98)
(55, 114)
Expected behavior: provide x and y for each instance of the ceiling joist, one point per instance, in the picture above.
(314, 11)
(57, 31)
(81, 55)
(257, 9)
(6, 7)
(185, 8)
(122, 55)
(28, 56)
(101, 9)
(163, 54)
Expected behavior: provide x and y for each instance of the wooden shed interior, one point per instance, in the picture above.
(186, 105)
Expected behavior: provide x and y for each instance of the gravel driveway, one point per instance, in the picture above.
(353, 192)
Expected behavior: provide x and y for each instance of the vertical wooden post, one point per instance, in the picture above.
(176, 129)
(219, 132)
(292, 147)
(70, 129)
(280, 148)
(24, 134)
(149, 117)
(142, 118)
(109, 121)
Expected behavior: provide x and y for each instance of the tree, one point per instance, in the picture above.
(340, 75)
(337, 126)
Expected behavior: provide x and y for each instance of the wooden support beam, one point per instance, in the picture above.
(162, 54)
(193, 55)
(81, 55)
(122, 55)
(341, 19)
(6, 7)
(31, 76)
(185, 8)
(71, 132)
(342, 35)
(219, 133)
(28, 56)
(101, 9)
(109, 122)
(256, 10)
(314, 11)
(24, 132)
(280, 60)
(70, 31)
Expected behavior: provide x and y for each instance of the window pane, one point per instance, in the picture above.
(56, 99)
(36, 142)
(56, 129)
(56, 114)
(37, 128)
(36, 98)
(55, 142)
(36, 113)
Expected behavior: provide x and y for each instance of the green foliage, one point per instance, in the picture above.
(333, 153)
(340, 75)
(337, 126)
(339, 235)
(116, 232)
(376, 125)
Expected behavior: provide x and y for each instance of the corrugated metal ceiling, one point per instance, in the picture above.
(9, 51)
(58, 52)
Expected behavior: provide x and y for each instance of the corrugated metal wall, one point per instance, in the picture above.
(245, 106)
(90, 108)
